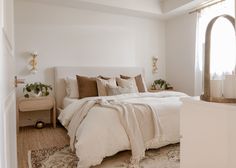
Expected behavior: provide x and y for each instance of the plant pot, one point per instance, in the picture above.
(35, 94)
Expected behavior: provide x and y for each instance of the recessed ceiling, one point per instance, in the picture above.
(162, 9)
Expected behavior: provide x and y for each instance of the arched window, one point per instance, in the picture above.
(223, 42)
(223, 55)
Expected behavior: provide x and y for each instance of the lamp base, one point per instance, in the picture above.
(217, 99)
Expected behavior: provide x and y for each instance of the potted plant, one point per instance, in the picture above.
(36, 89)
(161, 84)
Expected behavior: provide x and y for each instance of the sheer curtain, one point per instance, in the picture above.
(223, 55)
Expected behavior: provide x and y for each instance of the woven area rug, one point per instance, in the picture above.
(165, 157)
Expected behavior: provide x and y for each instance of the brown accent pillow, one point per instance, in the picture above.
(87, 86)
(139, 82)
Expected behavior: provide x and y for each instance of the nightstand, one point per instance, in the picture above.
(36, 104)
(159, 90)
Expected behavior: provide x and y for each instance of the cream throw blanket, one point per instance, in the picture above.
(130, 119)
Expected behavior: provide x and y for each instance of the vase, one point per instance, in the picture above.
(36, 94)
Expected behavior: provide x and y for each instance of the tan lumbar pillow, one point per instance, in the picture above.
(111, 90)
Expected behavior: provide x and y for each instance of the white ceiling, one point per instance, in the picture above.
(162, 9)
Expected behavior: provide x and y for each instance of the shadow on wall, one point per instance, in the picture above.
(25, 57)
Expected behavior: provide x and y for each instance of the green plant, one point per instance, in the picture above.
(162, 84)
(36, 88)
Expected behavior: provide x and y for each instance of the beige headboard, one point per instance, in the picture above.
(62, 72)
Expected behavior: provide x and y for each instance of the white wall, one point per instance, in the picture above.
(75, 37)
(66, 36)
(180, 52)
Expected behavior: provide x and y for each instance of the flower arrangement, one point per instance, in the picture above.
(36, 89)
(161, 84)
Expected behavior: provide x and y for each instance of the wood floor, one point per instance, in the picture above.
(30, 138)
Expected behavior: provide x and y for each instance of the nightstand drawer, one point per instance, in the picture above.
(36, 104)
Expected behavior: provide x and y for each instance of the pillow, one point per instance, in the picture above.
(127, 83)
(139, 82)
(71, 87)
(87, 86)
(103, 77)
(101, 85)
(111, 90)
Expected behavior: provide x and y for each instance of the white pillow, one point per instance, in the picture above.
(127, 83)
(101, 85)
(72, 90)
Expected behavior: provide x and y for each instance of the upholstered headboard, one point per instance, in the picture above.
(62, 72)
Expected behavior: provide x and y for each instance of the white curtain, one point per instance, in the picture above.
(223, 55)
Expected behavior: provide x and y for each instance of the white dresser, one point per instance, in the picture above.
(208, 134)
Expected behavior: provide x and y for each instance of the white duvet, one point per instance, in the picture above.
(102, 126)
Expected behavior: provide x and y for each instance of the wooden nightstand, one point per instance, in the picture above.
(37, 104)
(159, 90)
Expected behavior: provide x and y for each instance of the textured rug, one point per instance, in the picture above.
(165, 157)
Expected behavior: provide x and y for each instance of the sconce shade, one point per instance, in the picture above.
(154, 64)
(33, 71)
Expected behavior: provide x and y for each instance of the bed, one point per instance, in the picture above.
(102, 126)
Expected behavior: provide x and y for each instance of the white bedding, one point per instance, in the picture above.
(67, 101)
(101, 131)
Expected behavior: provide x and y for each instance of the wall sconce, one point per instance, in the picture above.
(154, 64)
(33, 63)
(19, 81)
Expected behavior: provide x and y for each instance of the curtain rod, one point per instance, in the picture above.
(205, 5)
